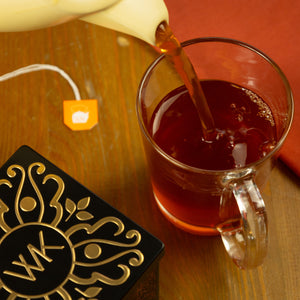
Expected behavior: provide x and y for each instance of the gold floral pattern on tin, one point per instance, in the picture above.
(51, 244)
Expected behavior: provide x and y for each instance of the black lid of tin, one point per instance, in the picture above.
(60, 241)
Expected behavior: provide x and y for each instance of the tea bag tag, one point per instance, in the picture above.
(80, 114)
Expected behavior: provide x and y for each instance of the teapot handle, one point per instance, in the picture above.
(245, 238)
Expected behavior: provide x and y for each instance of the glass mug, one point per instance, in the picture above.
(211, 202)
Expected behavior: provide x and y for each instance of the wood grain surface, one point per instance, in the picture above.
(109, 159)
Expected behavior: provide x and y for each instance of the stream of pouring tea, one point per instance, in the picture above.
(170, 46)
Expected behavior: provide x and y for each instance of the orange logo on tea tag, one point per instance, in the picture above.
(80, 114)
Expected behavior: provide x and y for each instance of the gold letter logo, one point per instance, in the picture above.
(34, 253)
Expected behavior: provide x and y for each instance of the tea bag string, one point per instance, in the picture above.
(39, 67)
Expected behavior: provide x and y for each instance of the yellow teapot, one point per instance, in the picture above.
(138, 18)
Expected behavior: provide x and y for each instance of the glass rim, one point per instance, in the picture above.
(182, 165)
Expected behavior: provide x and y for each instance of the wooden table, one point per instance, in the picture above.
(109, 159)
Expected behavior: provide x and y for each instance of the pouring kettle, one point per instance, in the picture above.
(138, 18)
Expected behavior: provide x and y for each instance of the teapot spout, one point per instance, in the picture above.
(139, 18)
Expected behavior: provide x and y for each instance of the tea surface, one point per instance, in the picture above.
(245, 128)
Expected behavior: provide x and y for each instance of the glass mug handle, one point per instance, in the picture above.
(245, 238)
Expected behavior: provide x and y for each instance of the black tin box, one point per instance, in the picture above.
(60, 241)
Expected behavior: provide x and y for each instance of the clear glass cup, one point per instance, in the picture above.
(231, 199)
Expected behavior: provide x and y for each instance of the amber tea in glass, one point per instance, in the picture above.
(210, 183)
